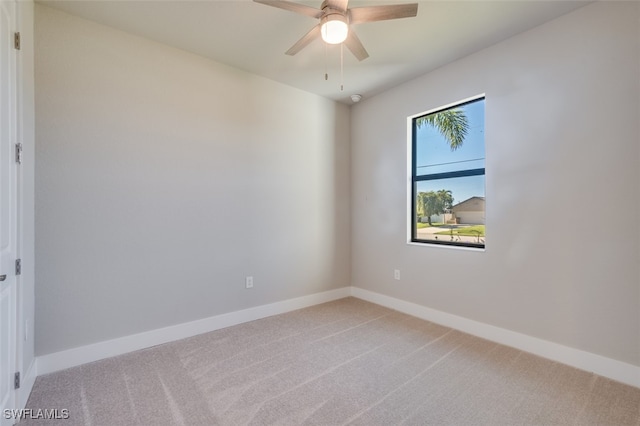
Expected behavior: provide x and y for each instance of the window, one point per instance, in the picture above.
(447, 175)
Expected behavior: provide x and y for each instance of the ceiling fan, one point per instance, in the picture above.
(336, 18)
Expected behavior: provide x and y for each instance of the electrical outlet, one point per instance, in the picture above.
(248, 282)
(396, 274)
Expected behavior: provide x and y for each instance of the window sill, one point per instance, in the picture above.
(447, 246)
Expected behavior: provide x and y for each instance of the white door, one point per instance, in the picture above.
(8, 209)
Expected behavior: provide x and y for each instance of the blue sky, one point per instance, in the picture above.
(434, 156)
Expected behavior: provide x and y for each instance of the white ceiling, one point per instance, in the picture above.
(254, 37)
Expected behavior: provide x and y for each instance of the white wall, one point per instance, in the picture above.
(163, 179)
(562, 114)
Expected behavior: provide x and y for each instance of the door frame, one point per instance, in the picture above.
(16, 345)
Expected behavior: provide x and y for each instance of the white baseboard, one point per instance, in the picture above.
(607, 367)
(603, 366)
(97, 351)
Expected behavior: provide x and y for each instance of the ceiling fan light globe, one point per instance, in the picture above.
(334, 29)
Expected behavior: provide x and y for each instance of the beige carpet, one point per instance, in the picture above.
(344, 362)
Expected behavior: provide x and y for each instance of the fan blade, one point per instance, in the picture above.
(292, 7)
(355, 46)
(304, 41)
(359, 15)
(338, 4)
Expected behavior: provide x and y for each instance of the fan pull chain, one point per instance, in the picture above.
(326, 74)
(341, 67)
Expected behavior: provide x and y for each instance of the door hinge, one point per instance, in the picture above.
(16, 41)
(16, 380)
(18, 266)
(19, 153)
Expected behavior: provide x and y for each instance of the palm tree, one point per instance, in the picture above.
(453, 124)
